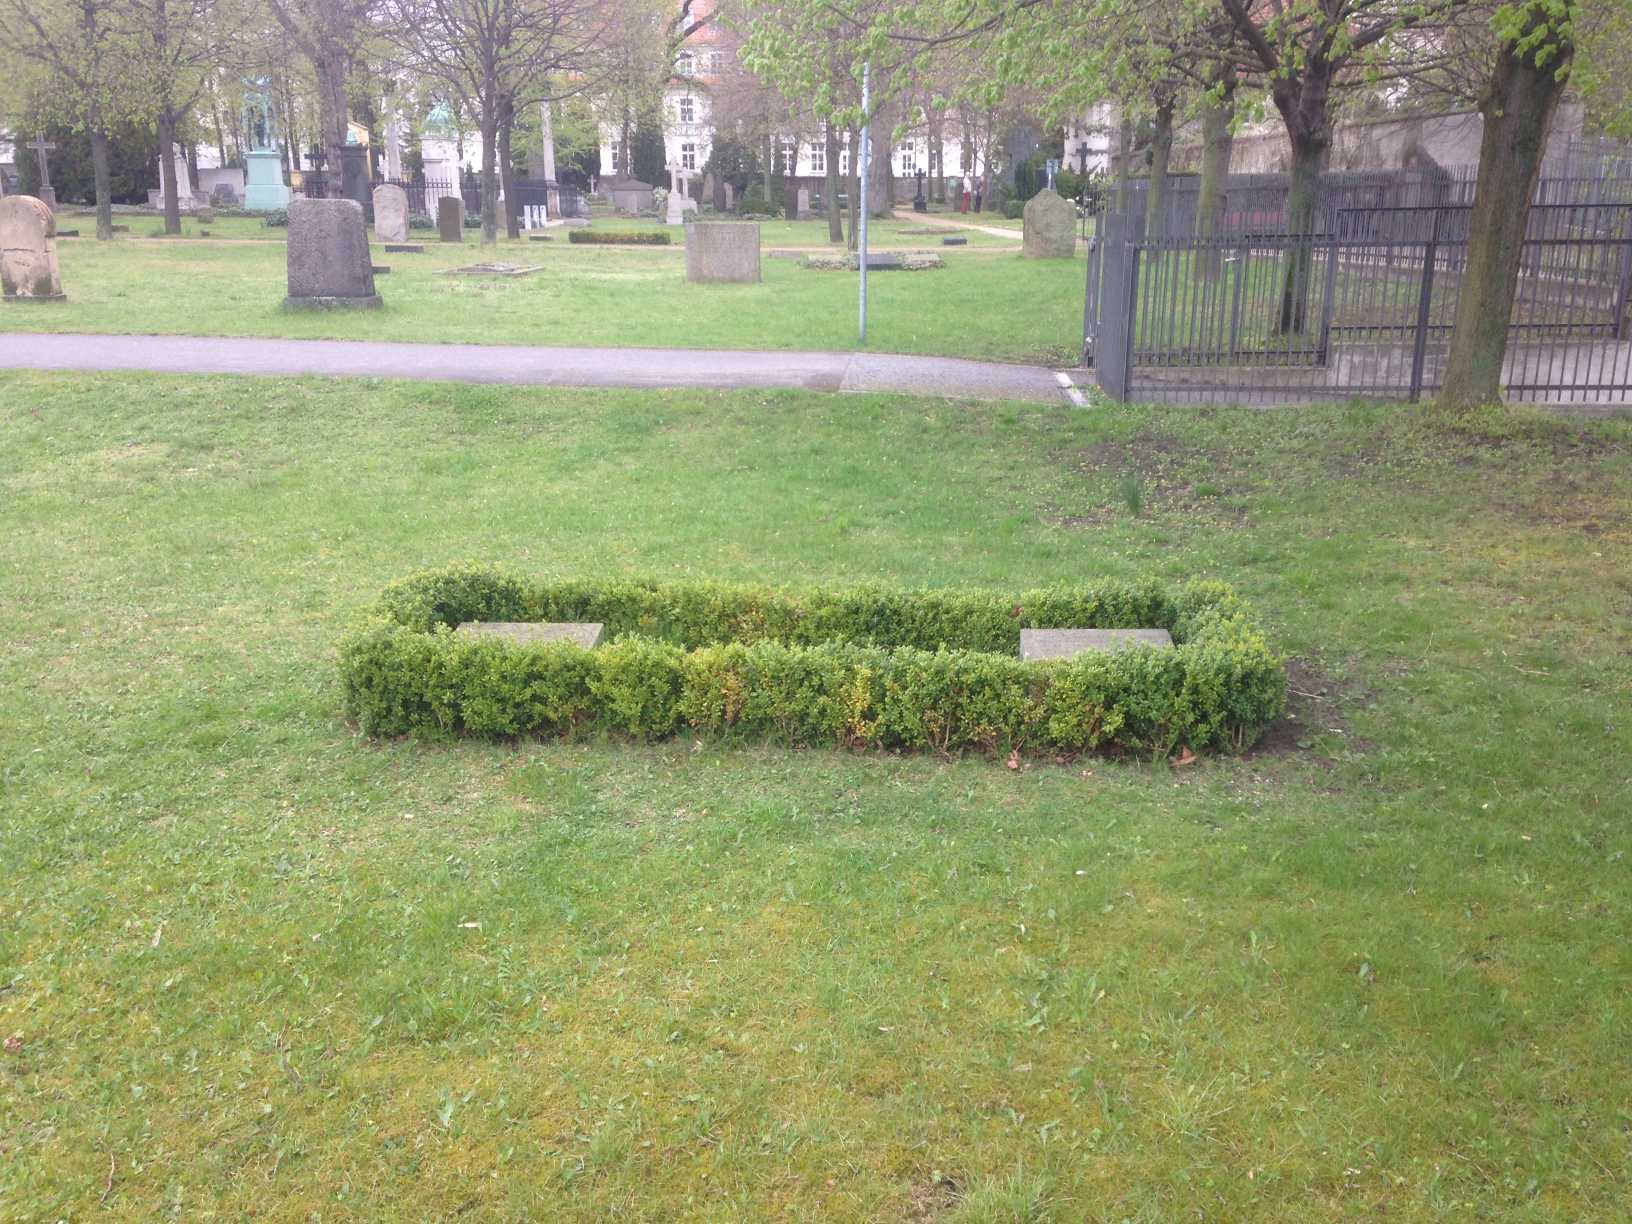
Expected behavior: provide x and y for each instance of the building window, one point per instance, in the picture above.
(909, 159)
(617, 155)
(844, 160)
(688, 157)
(684, 64)
(687, 111)
(818, 159)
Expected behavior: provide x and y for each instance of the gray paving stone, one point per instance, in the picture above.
(1036, 644)
(532, 633)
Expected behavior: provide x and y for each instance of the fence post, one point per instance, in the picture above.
(1114, 336)
(1425, 299)
(1090, 299)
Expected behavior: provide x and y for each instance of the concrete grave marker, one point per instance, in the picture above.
(28, 251)
(390, 213)
(1050, 227)
(533, 633)
(722, 251)
(450, 219)
(329, 264)
(1038, 644)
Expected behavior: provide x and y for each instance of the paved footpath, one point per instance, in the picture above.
(952, 377)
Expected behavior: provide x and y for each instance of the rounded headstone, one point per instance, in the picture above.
(390, 213)
(1050, 226)
(28, 251)
(725, 251)
(329, 264)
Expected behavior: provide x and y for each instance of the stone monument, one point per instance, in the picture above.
(1050, 226)
(722, 252)
(390, 213)
(28, 251)
(329, 264)
(676, 212)
(263, 163)
(48, 193)
(450, 219)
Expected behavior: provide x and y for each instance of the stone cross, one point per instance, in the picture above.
(41, 147)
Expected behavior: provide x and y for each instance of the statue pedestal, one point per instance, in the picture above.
(263, 181)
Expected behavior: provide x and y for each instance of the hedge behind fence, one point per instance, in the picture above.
(867, 667)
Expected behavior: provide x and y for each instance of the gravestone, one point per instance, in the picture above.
(1038, 644)
(954, 242)
(1050, 227)
(48, 193)
(534, 633)
(28, 251)
(801, 206)
(722, 251)
(329, 265)
(390, 213)
(675, 213)
(405, 248)
(627, 195)
(450, 219)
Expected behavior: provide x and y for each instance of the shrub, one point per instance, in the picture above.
(276, 218)
(620, 237)
(869, 667)
(1014, 210)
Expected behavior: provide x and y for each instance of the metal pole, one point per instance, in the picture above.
(866, 166)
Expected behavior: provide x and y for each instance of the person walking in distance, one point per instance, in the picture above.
(968, 190)
(980, 190)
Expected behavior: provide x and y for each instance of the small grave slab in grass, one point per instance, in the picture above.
(494, 268)
(532, 633)
(954, 242)
(877, 261)
(1038, 644)
(405, 248)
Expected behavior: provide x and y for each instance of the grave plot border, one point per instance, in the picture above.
(865, 667)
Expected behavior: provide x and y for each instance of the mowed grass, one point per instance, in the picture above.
(985, 303)
(254, 965)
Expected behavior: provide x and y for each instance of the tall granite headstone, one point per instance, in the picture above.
(329, 265)
(450, 219)
(1050, 226)
(390, 213)
(28, 251)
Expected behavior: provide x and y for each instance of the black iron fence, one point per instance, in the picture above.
(1364, 308)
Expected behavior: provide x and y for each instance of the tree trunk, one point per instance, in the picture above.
(104, 184)
(167, 170)
(490, 176)
(1161, 152)
(1518, 106)
(332, 70)
(830, 189)
(507, 125)
(937, 160)
(1217, 143)
(1302, 203)
(1124, 158)
(881, 180)
(855, 185)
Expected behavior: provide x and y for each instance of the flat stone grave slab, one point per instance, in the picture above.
(380, 269)
(540, 237)
(877, 261)
(954, 242)
(405, 248)
(785, 253)
(532, 633)
(67, 233)
(1036, 644)
(496, 268)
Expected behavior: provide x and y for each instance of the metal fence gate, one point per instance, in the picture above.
(1363, 308)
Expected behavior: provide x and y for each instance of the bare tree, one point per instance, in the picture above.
(328, 33)
(490, 54)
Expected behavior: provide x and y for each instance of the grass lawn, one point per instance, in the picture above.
(987, 302)
(254, 965)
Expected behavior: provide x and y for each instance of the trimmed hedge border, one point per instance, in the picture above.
(620, 237)
(867, 667)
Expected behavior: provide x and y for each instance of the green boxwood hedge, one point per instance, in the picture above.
(620, 237)
(867, 667)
